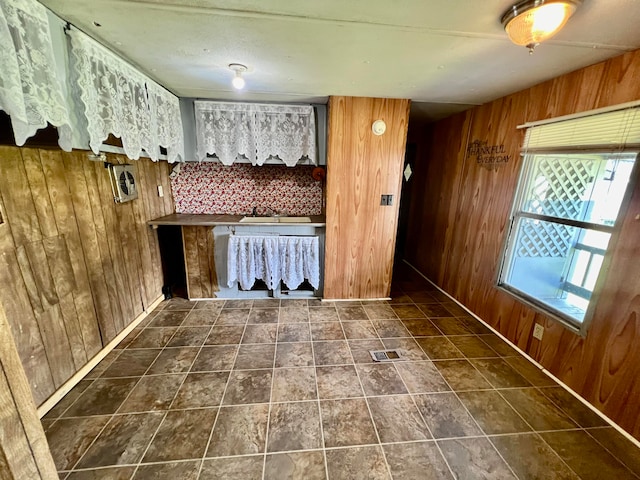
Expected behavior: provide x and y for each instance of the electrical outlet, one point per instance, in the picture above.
(538, 331)
(160, 191)
(386, 200)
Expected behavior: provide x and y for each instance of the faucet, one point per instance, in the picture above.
(254, 212)
(274, 213)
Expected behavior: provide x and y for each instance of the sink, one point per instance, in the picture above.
(259, 220)
(275, 220)
(295, 220)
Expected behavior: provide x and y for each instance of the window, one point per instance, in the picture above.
(572, 187)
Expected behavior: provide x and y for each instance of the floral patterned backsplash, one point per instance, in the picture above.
(213, 188)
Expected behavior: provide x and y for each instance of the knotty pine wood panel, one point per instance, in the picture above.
(604, 366)
(76, 267)
(202, 279)
(360, 235)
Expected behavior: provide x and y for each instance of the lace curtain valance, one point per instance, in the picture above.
(117, 99)
(166, 121)
(257, 132)
(30, 92)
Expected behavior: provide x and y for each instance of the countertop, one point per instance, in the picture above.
(189, 219)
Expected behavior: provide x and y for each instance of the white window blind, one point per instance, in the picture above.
(611, 130)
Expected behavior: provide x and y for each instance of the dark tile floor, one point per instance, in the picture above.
(287, 389)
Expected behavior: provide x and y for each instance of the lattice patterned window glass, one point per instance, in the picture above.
(570, 193)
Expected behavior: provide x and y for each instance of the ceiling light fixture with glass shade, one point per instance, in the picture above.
(531, 22)
(238, 80)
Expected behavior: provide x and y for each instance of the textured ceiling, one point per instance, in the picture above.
(444, 55)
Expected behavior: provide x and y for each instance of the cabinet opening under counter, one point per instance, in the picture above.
(261, 260)
(194, 248)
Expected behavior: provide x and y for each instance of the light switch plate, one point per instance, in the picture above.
(538, 331)
(386, 200)
(160, 191)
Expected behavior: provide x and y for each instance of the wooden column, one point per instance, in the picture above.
(24, 452)
(362, 166)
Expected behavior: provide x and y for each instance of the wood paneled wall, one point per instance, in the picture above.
(200, 266)
(24, 452)
(459, 212)
(361, 167)
(75, 267)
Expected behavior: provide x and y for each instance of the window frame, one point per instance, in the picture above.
(517, 213)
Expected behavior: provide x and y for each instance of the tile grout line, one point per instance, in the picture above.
(373, 423)
(535, 432)
(224, 391)
(413, 401)
(112, 416)
(315, 375)
(455, 393)
(610, 452)
(273, 375)
(166, 413)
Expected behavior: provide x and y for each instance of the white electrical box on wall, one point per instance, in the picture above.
(123, 183)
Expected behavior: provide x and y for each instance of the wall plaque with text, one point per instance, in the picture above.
(488, 156)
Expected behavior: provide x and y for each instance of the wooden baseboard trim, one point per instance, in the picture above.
(338, 300)
(97, 358)
(626, 434)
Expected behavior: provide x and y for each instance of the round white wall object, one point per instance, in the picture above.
(379, 127)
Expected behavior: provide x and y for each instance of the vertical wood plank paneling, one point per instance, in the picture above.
(465, 248)
(24, 327)
(94, 201)
(163, 171)
(17, 461)
(37, 185)
(64, 215)
(203, 260)
(6, 237)
(138, 208)
(148, 209)
(192, 261)
(28, 279)
(76, 267)
(361, 166)
(18, 202)
(121, 285)
(56, 344)
(24, 452)
(89, 238)
(131, 252)
(202, 279)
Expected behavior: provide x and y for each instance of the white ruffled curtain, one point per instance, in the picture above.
(285, 131)
(226, 130)
(255, 131)
(167, 122)
(30, 91)
(117, 99)
(273, 258)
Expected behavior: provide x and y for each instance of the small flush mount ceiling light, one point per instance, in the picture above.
(238, 80)
(531, 22)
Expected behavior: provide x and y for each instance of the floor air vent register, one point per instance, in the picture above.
(385, 355)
